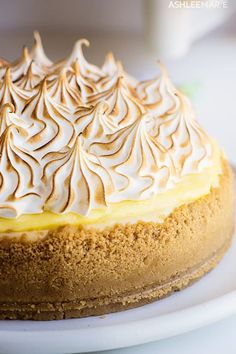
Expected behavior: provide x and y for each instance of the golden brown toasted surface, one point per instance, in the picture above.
(75, 272)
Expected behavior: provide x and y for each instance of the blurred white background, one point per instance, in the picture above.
(169, 31)
(71, 15)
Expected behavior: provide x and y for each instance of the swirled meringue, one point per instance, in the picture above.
(113, 70)
(124, 107)
(88, 70)
(80, 83)
(5, 117)
(19, 177)
(182, 136)
(175, 126)
(20, 67)
(88, 78)
(78, 181)
(86, 86)
(94, 123)
(110, 65)
(35, 66)
(33, 76)
(37, 53)
(63, 92)
(50, 125)
(11, 93)
(75, 138)
(8, 117)
(158, 95)
(138, 164)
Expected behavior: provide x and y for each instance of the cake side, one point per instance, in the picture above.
(76, 272)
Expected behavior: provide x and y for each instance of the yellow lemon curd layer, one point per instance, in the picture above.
(190, 188)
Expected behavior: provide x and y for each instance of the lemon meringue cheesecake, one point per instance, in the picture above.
(111, 194)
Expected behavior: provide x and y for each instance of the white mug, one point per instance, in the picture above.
(172, 26)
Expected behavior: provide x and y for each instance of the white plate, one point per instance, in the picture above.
(210, 299)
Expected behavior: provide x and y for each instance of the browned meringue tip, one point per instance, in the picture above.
(110, 57)
(120, 81)
(7, 77)
(7, 107)
(37, 51)
(29, 71)
(37, 39)
(82, 41)
(78, 47)
(25, 54)
(7, 132)
(25, 57)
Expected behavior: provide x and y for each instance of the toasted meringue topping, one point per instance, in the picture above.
(63, 92)
(88, 70)
(139, 165)
(19, 68)
(8, 117)
(124, 107)
(19, 177)
(78, 181)
(84, 85)
(11, 93)
(182, 136)
(158, 95)
(75, 137)
(94, 122)
(32, 77)
(50, 128)
(110, 65)
(37, 53)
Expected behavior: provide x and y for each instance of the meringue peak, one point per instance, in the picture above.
(11, 93)
(77, 168)
(37, 53)
(87, 69)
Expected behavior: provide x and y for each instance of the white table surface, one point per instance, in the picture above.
(211, 64)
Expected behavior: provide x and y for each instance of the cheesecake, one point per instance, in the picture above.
(112, 195)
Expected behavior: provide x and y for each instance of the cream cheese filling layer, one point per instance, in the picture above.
(156, 209)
